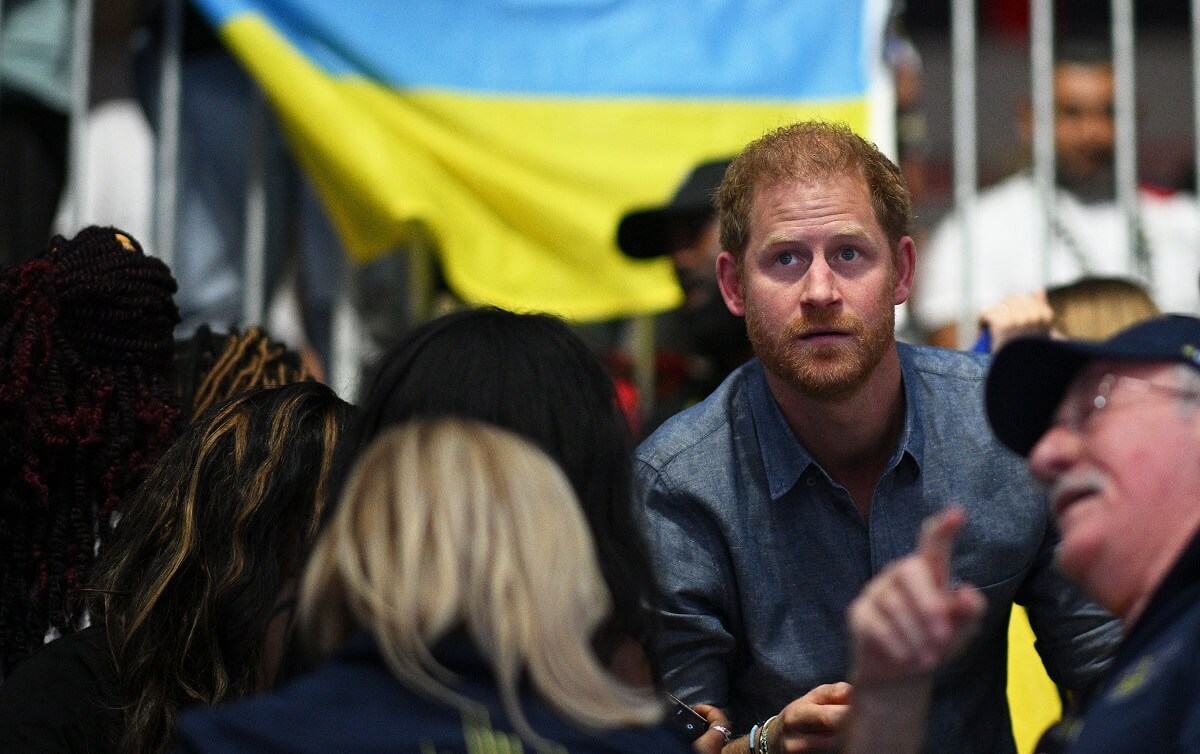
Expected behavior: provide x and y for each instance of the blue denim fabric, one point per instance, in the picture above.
(759, 552)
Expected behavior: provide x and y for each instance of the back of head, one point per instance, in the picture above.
(450, 525)
(211, 368)
(1097, 308)
(86, 406)
(207, 546)
(810, 151)
(531, 374)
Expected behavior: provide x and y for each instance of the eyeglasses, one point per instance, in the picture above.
(1079, 407)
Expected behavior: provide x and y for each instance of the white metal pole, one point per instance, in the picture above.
(1, 47)
(1196, 96)
(1041, 74)
(254, 283)
(167, 160)
(1126, 131)
(81, 64)
(966, 181)
(345, 350)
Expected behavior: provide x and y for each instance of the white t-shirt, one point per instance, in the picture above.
(1006, 250)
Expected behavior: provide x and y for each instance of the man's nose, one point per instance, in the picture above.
(820, 284)
(1054, 453)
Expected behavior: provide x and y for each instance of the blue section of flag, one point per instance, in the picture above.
(756, 49)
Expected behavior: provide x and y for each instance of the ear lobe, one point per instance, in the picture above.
(729, 279)
(905, 260)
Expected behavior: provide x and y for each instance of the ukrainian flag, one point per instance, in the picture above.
(520, 131)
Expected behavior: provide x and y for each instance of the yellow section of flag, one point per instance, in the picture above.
(522, 193)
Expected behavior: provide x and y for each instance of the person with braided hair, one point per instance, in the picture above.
(86, 407)
(210, 367)
(192, 598)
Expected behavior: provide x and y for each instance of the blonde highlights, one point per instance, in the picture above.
(455, 524)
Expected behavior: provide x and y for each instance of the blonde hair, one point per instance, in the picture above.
(1097, 308)
(455, 524)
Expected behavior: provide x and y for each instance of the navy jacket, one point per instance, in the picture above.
(352, 703)
(1151, 701)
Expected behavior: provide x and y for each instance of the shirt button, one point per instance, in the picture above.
(812, 480)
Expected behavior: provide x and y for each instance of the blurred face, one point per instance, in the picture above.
(818, 285)
(1123, 463)
(1084, 129)
(694, 254)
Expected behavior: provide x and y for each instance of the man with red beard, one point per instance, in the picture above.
(773, 502)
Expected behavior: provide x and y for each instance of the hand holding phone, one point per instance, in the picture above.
(690, 723)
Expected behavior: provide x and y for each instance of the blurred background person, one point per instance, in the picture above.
(1090, 308)
(86, 407)
(454, 595)
(699, 343)
(1086, 237)
(193, 594)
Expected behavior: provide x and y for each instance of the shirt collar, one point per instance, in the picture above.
(785, 460)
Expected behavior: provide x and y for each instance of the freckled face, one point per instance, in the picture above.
(818, 285)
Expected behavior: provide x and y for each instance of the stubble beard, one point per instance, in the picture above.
(826, 373)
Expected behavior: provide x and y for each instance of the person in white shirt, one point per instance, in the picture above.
(1087, 236)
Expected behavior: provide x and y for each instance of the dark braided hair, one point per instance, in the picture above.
(86, 407)
(210, 367)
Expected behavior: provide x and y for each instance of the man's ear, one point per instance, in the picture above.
(905, 260)
(729, 278)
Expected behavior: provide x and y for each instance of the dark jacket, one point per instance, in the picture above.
(352, 703)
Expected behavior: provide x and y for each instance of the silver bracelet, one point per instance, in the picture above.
(764, 742)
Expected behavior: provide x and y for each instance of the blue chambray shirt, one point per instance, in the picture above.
(759, 552)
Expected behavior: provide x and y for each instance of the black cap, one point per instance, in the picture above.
(1029, 376)
(646, 233)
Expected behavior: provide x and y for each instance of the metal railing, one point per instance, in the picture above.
(964, 33)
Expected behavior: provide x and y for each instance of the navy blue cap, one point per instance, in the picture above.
(646, 233)
(1029, 376)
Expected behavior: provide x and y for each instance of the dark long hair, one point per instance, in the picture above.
(86, 406)
(205, 548)
(531, 374)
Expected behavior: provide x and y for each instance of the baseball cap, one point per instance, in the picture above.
(1029, 376)
(646, 232)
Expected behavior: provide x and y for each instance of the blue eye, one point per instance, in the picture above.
(787, 257)
(849, 254)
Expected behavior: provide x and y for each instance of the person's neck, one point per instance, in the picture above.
(1099, 188)
(1170, 547)
(852, 438)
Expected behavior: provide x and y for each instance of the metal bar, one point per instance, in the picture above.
(1, 51)
(641, 331)
(166, 190)
(1041, 73)
(419, 256)
(1196, 95)
(254, 262)
(966, 165)
(1125, 108)
(81, 63)
(344, 350)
